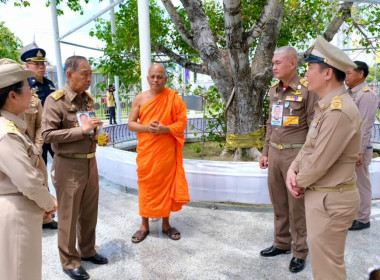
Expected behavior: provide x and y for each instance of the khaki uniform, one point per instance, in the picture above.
(289, 212)
(367, 102)
(326, 168)
(23, 201)
(33, 119)
(74, 174)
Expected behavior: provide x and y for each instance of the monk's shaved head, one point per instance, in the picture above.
(157, 67)
(157, 78)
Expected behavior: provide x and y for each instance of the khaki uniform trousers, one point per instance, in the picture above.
(289, 212)
(20, 238)
(77, 185)
(328, 217)
(364, 187)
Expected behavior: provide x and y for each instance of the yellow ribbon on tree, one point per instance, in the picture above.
(249, 140)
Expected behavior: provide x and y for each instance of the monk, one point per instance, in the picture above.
(158, 116)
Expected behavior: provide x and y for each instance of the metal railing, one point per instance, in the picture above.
(120, 134)
(376, 136)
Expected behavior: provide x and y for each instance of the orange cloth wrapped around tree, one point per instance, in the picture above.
(161, 178)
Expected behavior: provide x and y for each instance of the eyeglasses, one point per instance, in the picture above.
(32, 90)
(37, 63)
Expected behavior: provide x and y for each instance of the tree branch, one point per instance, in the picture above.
(369, 42)
(255, 31)
(345, 11)
(197, 68)
(186, 35)
(262, 60)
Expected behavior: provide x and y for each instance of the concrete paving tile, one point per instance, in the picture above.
(215, 244)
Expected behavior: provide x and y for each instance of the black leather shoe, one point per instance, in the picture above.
(296, 265)
(356, 225)
(52, 225)
(97, 259)
(273, 251)
(78, 273)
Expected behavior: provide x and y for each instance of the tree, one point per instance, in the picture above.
(9, 44)
(238, 58)
(233, 43)
(374, 74)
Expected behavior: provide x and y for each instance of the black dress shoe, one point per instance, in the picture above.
(52, 225)
(97, 259)
(356, 225)
(296, 265)
(78, 273)
(273, 251)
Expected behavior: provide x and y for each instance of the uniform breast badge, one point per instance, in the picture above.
(297, 92)
(294, 98)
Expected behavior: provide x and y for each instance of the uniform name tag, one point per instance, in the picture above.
(294, 98)
(290, 120)
(277, 111)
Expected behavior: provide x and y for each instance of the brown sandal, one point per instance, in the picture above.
(139, 236)
(171, 232)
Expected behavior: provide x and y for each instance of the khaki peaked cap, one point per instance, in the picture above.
(11, 72)
(323, 51)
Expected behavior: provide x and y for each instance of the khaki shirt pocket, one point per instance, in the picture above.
(296, 108)
(70, 120)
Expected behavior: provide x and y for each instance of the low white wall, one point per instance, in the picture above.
(242, 182)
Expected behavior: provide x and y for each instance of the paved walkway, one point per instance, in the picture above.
(215, 244)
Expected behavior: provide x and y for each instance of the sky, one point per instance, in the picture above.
(35, 22)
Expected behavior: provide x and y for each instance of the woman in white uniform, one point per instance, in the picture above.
(23, 198)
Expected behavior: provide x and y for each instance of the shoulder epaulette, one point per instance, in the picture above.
(10, 127)
(304, 82)
(58, 94)
(275, 84)
(336, 103)
(90, 96)
(365, 89)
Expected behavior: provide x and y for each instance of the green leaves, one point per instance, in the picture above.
(215, 117)
(9, 44)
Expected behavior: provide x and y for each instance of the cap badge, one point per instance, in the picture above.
(39, 54)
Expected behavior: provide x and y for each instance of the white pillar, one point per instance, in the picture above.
(57, 47)
(113, 31)
(144, 36)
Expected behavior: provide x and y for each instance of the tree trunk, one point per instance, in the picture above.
(230, 69)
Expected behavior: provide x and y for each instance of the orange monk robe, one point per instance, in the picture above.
(161, 178)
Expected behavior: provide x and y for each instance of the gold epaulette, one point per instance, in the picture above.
(58, 94)
(336, 103)
(10, 127)
(304, 82)
(89, 95)
(35, 95)
(365, 89)
(275, 84)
